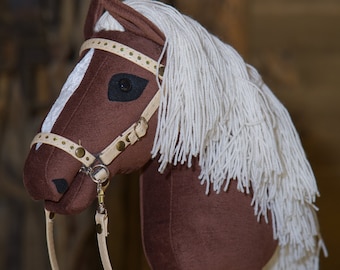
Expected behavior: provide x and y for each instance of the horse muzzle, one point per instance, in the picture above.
(52, 175)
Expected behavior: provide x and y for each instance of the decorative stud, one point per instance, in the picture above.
(161, 70)
(99, 228)
(51, 215)
(120, 146)
(80, 152)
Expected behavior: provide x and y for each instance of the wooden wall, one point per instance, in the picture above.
(294, 44)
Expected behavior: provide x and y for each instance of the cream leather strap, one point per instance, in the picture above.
(133, 134)
(74, 149)
(102, 232)
(124, 51)
(50, 239)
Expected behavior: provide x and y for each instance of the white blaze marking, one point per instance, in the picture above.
(70, 86)
(106, 22)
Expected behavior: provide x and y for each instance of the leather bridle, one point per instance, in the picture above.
(95, 166)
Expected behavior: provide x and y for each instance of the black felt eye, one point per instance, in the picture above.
(126, 87)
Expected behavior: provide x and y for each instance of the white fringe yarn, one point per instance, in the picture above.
(216, 107)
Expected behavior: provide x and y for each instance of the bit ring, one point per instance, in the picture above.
(95, 170)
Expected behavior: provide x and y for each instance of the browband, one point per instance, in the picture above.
(124, 51)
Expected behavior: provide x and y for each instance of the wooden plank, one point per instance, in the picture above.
(296, 26)
(226, 19)
(279, 8)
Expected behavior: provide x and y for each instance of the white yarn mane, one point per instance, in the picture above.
(216, 107)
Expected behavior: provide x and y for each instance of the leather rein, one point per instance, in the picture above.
(95, 166)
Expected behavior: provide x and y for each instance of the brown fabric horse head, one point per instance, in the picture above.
(97, 112)
(217, 123)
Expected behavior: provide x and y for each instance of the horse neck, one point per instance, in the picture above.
(175, 208)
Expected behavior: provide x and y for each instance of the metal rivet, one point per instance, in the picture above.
(120, 146)
(161, 70)
(51, 215)
(80, 152)
(99, 228)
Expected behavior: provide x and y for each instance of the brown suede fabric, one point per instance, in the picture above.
(182, 227)
(185, 229)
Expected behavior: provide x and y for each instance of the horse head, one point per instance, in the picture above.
(105, 95)
(143, 56)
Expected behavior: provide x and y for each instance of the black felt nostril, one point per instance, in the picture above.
(61, 185)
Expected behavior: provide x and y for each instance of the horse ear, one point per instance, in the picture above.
(96, 9)
(129, 18)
